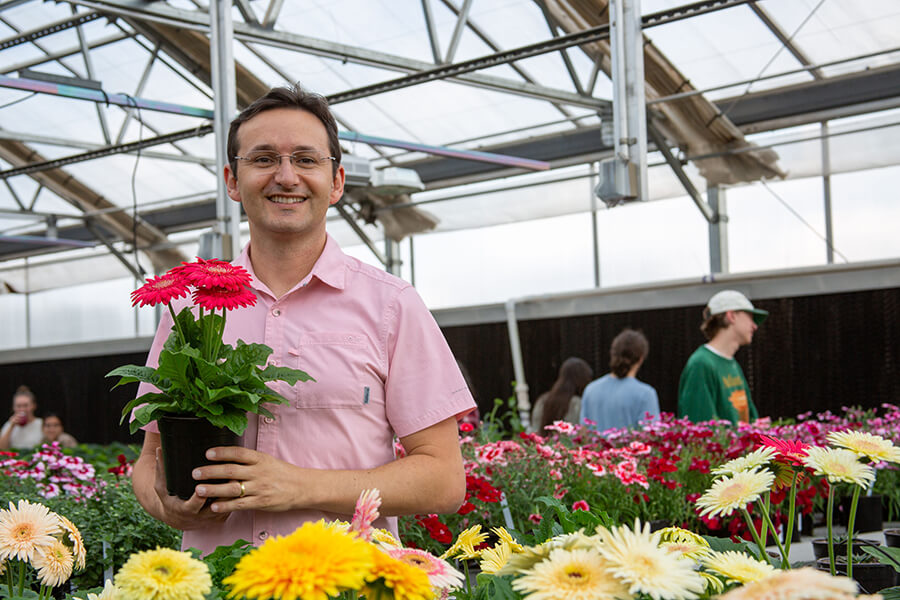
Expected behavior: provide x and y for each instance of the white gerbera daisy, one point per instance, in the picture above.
(636, 559)
(728, 494)
(110, 592)
(839, 464)
(53, 563)
(758, 458)
(875, 447)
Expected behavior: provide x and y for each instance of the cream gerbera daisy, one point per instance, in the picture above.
(523, 561)
(110, 592)
(875, 447)
(464, 546)
(26, 528)
(440, 573)
(731, 493)
(714, 585)
(572, 574)
(684, 542)
(163, 574)
(758, 458)
(494, 559)
(385, 539)
(796, 584)
(74, 536)
(839, 464)
(737, 567)
(635, 558)
(53, 563)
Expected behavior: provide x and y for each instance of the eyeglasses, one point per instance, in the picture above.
(269, 161)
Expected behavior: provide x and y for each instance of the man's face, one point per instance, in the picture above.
(286, 200)
(744, 326)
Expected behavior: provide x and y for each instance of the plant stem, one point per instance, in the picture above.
(175, 323)
(762, 547)
(792, 511)
(764, 526)
(829, 516)
(767, 519)
(21, 576)
(468, 583)
(9, 583)
(851, 521)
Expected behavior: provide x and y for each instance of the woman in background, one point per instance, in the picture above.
(563, 401)
(53, 432)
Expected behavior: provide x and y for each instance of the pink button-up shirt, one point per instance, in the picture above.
(382, 368)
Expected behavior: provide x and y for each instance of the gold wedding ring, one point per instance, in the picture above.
(243, 491)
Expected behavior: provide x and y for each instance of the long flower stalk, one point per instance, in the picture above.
(851, 521)
(829, 517)
(766, 506)
(21, 576)
(792, 512)
(768, 520)
(752, 527)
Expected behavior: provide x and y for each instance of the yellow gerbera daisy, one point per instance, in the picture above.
(464, 546)
(74, 536)
(523, 561)
(635, 558)
(875, 447)
(760, 457)
(796, 584)
(714, 585)
(110, 592)
(163, 574)
(727, 494)
(494, 559)
(313, 563)
(839, 464)
(737, 567)
(577, 574)
(26, 528)
(53, 563)
(401, 580)
(385, 538)
(687, 543)
(507, 537)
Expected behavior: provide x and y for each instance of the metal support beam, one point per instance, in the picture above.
(195, 20)
(784, 38)
(341, 207)
(826, 193)
(145, 75)
(228, 215)
(660, 142)
(60, 54)
(564, 54)
(89, 68)
(393, 262)
(135, 269)
(246, 11)
(272, 12)
(461, 20)
(718, 232)
(433, 40)
(24, 37)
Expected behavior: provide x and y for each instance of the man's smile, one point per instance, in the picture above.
(287, 199)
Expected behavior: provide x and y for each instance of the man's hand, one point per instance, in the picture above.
(256, 481)
(182, 514)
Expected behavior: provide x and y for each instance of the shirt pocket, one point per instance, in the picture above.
(344, 366)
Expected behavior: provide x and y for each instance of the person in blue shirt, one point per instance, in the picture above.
(618, 399)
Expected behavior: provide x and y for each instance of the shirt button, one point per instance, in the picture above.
(270, 420)
(263, 535)
(276, 312)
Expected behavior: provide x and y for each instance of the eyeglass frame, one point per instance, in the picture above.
(275, 166)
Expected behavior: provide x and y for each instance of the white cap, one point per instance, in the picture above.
(733, 300)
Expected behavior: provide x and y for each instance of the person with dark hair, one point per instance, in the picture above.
(618, 399)
(22, 429)
(712, 384)
(53, 431)
(563, 401)
(381, 365)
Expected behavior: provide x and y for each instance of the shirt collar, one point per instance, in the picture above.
(329, 268)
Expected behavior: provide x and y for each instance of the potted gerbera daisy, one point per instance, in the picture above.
(204, 387)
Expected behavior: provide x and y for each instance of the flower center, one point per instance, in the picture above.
(164, 571)
(575, 576)
(733, 492)
(23, 533)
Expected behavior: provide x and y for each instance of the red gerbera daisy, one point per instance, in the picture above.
(790, 452)
(212, 298)
(160, 290)
(216, 273)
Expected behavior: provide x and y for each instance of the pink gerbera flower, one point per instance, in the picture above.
(215, 273)
(365, 514)
(160, 290)
(791, 452)
(440, 574)
(224, 298)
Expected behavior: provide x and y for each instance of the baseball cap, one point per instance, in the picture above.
(733, 300)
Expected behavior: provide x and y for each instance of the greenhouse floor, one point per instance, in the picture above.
(802, 551)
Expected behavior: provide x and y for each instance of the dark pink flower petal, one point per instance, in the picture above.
(216, 297)
(160, 290)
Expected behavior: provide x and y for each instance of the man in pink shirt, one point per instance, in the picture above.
(382, 366)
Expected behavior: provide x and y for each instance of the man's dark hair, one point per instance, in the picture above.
(713, 324)
(627, 349)
(287, 97)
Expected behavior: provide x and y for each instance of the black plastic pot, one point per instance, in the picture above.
(820, 547)
(868, 513)
(892, 538)
(185, 440)
(871, 577)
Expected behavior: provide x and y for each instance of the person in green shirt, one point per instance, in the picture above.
(712, 384)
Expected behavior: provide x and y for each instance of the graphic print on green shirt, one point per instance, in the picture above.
(714, 387)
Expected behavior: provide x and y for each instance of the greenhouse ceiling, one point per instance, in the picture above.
(116, 153)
